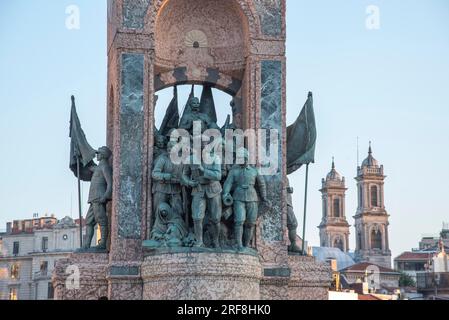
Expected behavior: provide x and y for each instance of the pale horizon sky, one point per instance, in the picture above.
(390, 86)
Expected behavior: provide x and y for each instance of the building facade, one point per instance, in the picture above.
(371, 219)
(433, 242)
(434, 284)
(28, 253)
(414, 263)
(379, 278)
(334, 228)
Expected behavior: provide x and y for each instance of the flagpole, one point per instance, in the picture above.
(79, 200)
(305, 212)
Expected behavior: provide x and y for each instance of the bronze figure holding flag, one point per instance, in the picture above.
(100, 176)
(301, 140)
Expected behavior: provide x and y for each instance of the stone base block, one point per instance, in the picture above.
(81, 277)
(190, 276)
(306, 280)
(201, 276)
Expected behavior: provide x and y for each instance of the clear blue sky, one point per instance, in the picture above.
(390, 86)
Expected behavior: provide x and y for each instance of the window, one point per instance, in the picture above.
(360, 196)
(376, 239)
(44, 244)
(16, 248)
(51, 291)
(15, 271)
(339, 244)
(359, 240)
(44, 268)
(337, 212)
(13, 294)
(374, 198)
(65, 237)
(325, 208)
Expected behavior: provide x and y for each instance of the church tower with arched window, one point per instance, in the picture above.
(371, 219)
(334, 228)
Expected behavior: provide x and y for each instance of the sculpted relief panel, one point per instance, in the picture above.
(200, 34)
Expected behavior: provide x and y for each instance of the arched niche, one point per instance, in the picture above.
(202, 34)
(205, 42)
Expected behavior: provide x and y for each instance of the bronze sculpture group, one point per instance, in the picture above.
(219, 203)
(202, 205)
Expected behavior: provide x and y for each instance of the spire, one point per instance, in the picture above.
(370, 161)
(333, 174)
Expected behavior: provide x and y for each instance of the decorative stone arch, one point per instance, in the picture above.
(338, 241)
(185, 50)
(376, 236)
(247, 9)
(214, 78)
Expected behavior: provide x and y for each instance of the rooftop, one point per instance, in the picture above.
(364, 266)
(414, 256)
(29, 226)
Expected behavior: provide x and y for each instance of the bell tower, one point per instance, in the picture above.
(334, 228)
(371, 219)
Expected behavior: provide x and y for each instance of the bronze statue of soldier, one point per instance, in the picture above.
(292, 223)
(195, 115)
(100, 193)
(160, 146)
(246, 185)
(166, 182)
(204, 179)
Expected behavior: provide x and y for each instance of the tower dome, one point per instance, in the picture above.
(370, 161)
(333, 175)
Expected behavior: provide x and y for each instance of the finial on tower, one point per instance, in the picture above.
(333, 163)
(370, 151)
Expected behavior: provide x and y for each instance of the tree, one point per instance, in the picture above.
(406, 280)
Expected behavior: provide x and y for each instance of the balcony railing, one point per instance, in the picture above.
(367, 171)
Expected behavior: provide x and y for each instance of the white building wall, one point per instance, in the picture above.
(32, 284)
(440, 263)
(334, 295)
(26, 244)
(23, 283)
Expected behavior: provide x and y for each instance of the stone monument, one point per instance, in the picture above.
(174, 232)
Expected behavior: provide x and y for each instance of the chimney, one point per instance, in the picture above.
(9, 227)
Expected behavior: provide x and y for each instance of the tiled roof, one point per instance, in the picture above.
(361, 267)
(414, 256)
